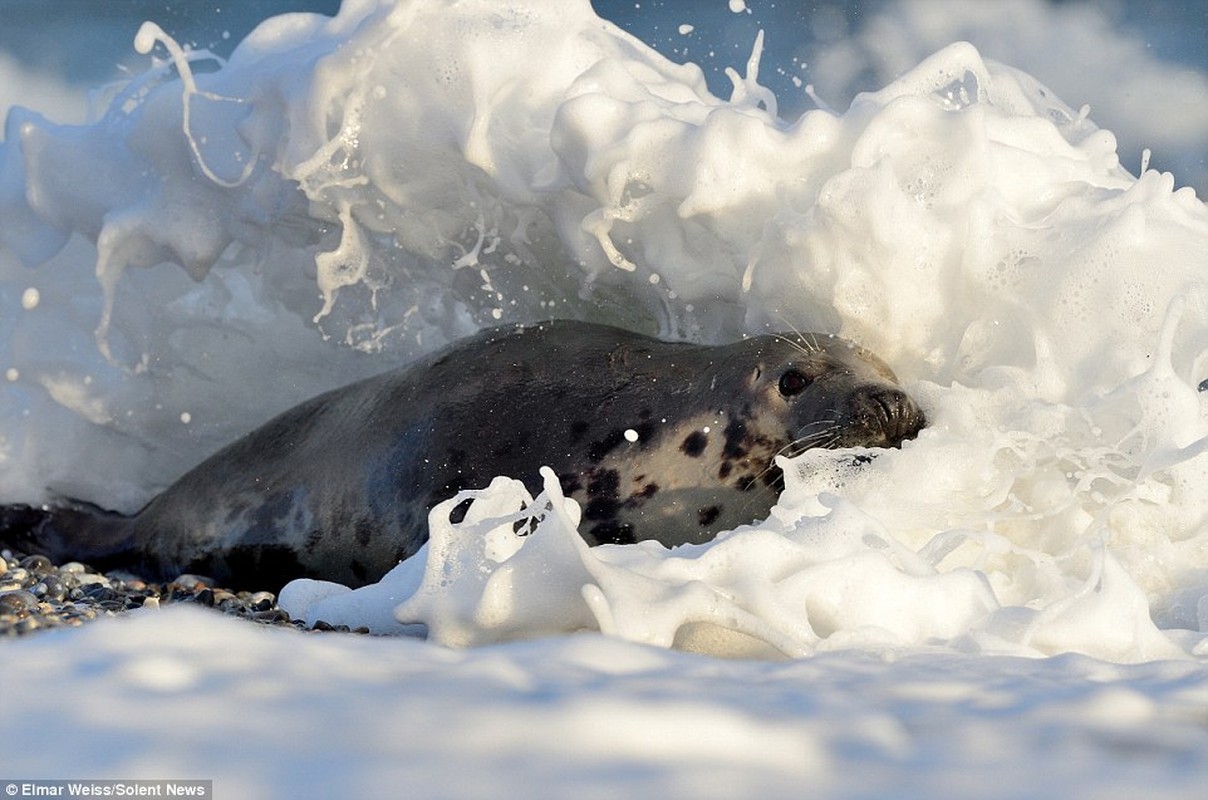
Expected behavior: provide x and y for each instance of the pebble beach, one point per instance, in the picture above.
(38, 595)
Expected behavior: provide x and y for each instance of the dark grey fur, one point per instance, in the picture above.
(340, 486)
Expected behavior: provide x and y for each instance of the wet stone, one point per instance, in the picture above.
(275, 615)
(99, 592)
(18, 602)
(51, 587)
(192, 582)
(262, 601)
(37, 564)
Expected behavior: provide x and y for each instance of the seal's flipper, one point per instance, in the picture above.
(74, 531)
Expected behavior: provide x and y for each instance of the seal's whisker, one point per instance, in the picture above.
(796, 345)
(807, 342)
(764, 488)
(811, 339)
(829, 420)
(795, 449)
(801, 344)
(817, 439)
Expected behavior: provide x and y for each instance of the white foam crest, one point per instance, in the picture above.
(1149, 99)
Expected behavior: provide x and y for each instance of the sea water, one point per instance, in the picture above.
(343, 195)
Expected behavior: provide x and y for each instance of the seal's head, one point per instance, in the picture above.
(828, 392)
(716, 418)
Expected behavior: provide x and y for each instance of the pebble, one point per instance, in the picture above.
(36, 595)
(52, 587)
(18, 603)
(191, 581)
(38, 565)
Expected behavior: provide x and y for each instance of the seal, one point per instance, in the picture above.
(660, 440)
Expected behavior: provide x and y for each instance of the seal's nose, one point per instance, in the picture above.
(886, 416)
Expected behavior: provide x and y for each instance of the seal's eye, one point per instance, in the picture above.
(793, 382)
